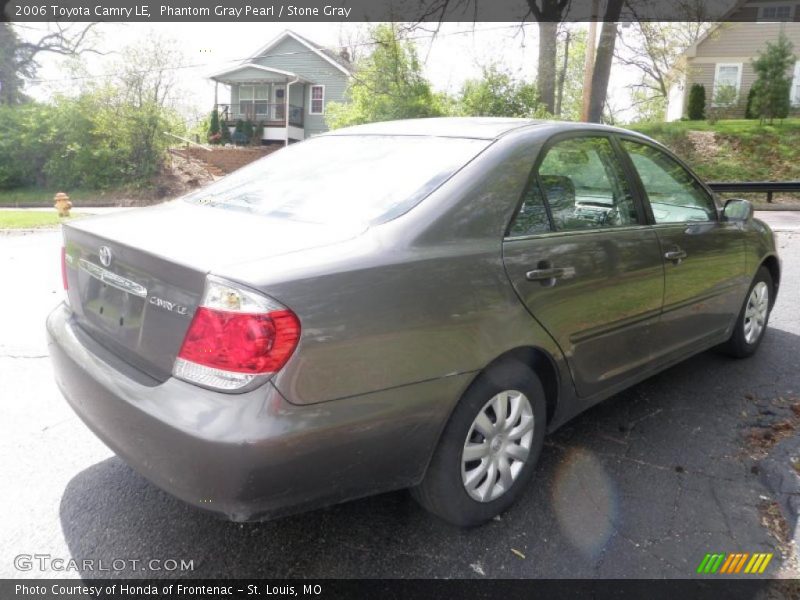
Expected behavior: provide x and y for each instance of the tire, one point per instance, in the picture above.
(751, 324)
(444, 490)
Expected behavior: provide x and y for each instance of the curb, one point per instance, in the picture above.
(20, 231)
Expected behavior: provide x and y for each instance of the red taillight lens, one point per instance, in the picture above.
(237, 338)
(241, 342)
(64, 268)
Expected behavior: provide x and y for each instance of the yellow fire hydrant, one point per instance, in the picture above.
(62, 204)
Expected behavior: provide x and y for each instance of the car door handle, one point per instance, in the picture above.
(675, 256)
(545, 274)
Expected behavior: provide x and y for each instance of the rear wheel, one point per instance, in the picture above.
(489, 448)
(752, 321)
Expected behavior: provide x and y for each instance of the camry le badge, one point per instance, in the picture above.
(173, 307)
(105, 255)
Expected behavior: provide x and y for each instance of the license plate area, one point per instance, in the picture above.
(112, 302)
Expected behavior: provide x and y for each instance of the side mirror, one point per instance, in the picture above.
(737, 210)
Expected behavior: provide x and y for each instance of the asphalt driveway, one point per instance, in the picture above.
(643, 485)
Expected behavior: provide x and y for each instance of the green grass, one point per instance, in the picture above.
(742, 150)
(33, 196)
(31, 219)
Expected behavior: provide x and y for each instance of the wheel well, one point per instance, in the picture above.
(544, 367)
(772, 265)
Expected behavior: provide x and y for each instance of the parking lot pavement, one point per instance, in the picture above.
(643, 485)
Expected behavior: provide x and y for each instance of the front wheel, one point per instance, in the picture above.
(489, 448)
(752, 321)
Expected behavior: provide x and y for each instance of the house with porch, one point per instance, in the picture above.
(722, 58)
(284, 88)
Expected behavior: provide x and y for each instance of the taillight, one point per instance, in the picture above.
(64, 268)
(237, 337)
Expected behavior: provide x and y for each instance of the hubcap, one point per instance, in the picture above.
(756, 312)
(497, 446)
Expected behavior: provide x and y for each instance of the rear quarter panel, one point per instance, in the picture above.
(422, 297)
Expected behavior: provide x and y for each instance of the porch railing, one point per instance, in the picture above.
(261, 112)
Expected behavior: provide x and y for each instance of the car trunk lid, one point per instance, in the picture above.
(136, 278)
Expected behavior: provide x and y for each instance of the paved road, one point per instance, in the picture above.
(642, 485)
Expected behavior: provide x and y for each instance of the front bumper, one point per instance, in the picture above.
(252, 455)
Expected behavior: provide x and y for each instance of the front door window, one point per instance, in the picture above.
(675, 196)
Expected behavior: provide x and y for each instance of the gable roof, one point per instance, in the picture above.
(691, 51)
(269, 70)
(331, 57)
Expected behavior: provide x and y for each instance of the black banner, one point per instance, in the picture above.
(182, 589)
(376, 10)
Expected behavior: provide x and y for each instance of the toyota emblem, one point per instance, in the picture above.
(105, 255)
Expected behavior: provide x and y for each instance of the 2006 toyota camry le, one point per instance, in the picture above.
(411, 304)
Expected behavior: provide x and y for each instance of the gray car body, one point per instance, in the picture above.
(397, 321)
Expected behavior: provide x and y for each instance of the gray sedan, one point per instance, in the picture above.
(412, 304)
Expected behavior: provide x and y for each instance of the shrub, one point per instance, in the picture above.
(772, 85)
(213, 127)
(697, 103)
(248, 131)
(749, 111)
(225, 134)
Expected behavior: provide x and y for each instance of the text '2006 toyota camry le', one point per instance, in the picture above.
(405, 304)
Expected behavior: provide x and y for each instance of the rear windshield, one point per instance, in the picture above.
(335, 179)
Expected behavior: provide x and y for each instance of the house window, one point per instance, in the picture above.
(317, 100)
(253, 101)
(795, 97)
(727, 83)
(776, 12)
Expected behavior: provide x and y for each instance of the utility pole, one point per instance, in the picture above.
(588, 65)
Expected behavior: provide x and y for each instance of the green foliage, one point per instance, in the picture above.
(742, 150)
(388, 85)
(771, 96)
(248, 131)
(572, 90)
(214, 133)
(749, 113)
(11, 71)
(225, 132)
(725, 99)
(696, 109)
(97, 140)
(497, 94)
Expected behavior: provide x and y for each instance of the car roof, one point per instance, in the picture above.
(484, 128)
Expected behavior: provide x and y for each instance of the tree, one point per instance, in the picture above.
(19, 58)
(772, 86)
(548, 13)
(498, 94)
(569, 89)
(696, 108)
(654, 50)
(388, 84)
(603, 60)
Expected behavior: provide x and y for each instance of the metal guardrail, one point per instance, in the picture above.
(755, 187)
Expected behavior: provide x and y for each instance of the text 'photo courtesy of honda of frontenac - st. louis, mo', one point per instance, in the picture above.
(411, 304)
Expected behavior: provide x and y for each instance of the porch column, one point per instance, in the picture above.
(286, 109)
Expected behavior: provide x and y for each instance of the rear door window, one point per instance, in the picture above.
(584, 185)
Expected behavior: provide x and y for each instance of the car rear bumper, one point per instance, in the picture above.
(252, 455)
